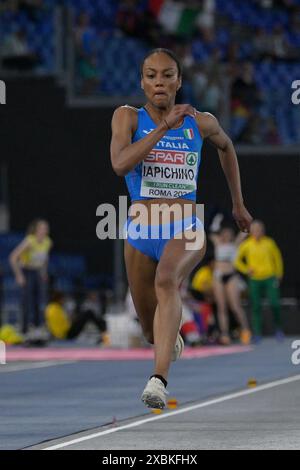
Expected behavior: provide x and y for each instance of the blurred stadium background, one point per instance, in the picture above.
(68, 64)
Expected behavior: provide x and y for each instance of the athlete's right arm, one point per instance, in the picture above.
(214, 238)
(240, 262)
(125, 155)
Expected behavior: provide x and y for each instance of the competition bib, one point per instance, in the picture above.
(169, 173)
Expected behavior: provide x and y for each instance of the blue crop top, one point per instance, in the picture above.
(171, 168)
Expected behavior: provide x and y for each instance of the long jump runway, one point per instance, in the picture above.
(85, 404)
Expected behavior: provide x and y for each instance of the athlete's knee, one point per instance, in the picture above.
(166, 280)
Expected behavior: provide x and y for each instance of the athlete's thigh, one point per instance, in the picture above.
(141, 271)
(232, 291)
(219, 293)
(177, 262)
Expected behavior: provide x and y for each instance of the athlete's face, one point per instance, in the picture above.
(227, 235)
(257, 230)
(42, 230)
(160, 80)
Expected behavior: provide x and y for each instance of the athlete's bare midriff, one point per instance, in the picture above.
(225, 267)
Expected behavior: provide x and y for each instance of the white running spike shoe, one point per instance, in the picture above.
(178, 348)
(179, 345)
(154, 395)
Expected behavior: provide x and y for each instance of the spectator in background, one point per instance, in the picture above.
(213, 64)
(206, 18)
(202, 80)
(262, 45)
(201, 290)
(186, 94)
(245, 98)
(29, 261)
(202, 282)
(199, 84)
(260, 259)
(61, 326)
(191, 328)
(226, 284)
(85, 42)
(130, 19)
(244, 88)
(16, 53)
(85, 34)
(271, 136)
(95, 304)
(139, 21)
(279, 43)
(211, 100)
(32, 8)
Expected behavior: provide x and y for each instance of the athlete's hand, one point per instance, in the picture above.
(242, 217)
(20, 280)
(178, 112)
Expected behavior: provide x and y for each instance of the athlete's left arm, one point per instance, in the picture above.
(277, 259)
(210, 128)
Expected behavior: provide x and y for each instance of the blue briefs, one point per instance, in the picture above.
(151, 239)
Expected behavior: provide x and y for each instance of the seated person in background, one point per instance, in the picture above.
(201, 290)
(202, 282)
(190, 330)
(61, 326)
(94, 305)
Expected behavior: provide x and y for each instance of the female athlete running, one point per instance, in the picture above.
(158, 149)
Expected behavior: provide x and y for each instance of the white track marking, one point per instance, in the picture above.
(177, 412)
(40, 365)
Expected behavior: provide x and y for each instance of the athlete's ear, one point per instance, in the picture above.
(179, 83)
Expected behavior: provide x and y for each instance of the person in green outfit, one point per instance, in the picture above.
(260, 258)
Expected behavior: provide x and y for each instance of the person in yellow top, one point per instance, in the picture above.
(202, 282)
(57, 320)
(29, 262)
(260, 259)
(201, 289)
(61, 326)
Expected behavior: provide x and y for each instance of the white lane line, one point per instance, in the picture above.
(177, 412)
(40, 365)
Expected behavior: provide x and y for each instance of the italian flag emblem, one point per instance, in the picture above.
(188, 133)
